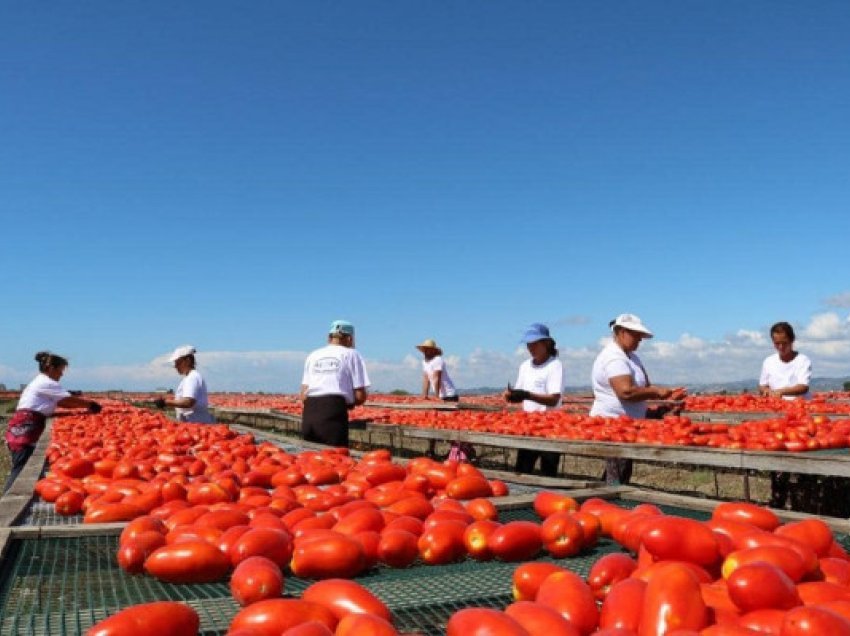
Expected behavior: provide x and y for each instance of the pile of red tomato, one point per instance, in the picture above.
(750, 403)
(741, 573)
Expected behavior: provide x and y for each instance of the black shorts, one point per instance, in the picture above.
(325, 420)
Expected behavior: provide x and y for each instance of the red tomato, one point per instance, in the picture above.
(69, 503)
(256, 579)
(163, 618)
(111, 512)
(132, 553)
(476, 538)
(142, 524)
(788, 561)
(483, 622)
(442, 543)
(364, 625)
(814, 621)
(819, 592)
(397, 548)
(528, 577)
(673, 601)
(680, 539)
(469, 487)
(835, 570)
(767, 621)
(762, 585)
(547, 503)
(360, 520)
(344, 597)
(481, 509)
(811, 532)
(748, 513)
(623, 605)
(515, 541)
(562, 535)
(332, 556)
(267, 542)
(609, 570)
(310, 628)
(590, 527)
(539, 619)
(189, 562)
(569, 595)
(274, 616)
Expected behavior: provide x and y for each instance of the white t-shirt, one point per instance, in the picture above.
(545, 379)
(430, 368)
(42, 395)
(193, 386)
(776, 374)
(334, 370)
(611, 362)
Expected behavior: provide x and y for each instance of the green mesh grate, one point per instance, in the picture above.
(64, 585)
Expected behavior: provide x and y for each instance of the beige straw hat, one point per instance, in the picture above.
(429, 344)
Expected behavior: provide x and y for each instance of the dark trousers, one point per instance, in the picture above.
(19, 460)
(325, 420)
(617, 471)
(525, 460)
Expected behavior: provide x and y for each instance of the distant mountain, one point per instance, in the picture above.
(739, 386)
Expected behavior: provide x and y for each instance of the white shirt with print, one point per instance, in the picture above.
(430, 368)
(334, 370)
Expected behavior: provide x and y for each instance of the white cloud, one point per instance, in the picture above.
(688, 360)
(838, 300)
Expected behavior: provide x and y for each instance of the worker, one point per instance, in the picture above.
(39, 401)
(334, 381)
(621, 385)
(190, 400)
(786, 374)
(538, 386)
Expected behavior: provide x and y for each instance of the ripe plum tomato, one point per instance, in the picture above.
(528, 577)
(623, 605)
(274, 616)
(743, 512)
(343, 597)
(267, 542)
(162, 618)
(256, 579)
(188, 562)
(680, 539)
(515, 541)
(310, 628)
(397, 548)
(364, 625)
(476, 621)
(562, 535)
(569, 595)
(609, 570)
(332, 556)
(539, 619)
(814, 621)
(547, 503)
(762, 585)
(673, 600)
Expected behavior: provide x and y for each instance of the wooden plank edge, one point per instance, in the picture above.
(14, 502)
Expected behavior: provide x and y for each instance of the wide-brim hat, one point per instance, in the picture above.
(632, 323)
(182, 352)
(429, 344)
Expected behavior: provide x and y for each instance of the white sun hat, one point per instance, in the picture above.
(632, 323)
(181, 352)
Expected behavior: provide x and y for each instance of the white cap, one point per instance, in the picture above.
(180, 352)
(632, 323)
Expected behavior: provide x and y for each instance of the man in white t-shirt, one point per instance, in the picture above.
(787, 374)
(334, 381)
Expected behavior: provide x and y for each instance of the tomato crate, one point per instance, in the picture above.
(63, 585)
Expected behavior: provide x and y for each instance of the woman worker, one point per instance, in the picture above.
(334, 381)
(38, 401)
(621, 385)
(190, 401)
(786, 374)
(435, 375)
(538, 386)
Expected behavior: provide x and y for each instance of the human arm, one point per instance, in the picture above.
(179, 402)
(302, 394)
(789, 391)
(360, 396)
(546, 399)
(426, 385)
(78, 402)
(627, 391)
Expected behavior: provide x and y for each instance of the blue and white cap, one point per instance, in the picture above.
(341, 328)
(536, 331)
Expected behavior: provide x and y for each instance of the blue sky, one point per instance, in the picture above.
(236, 176)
